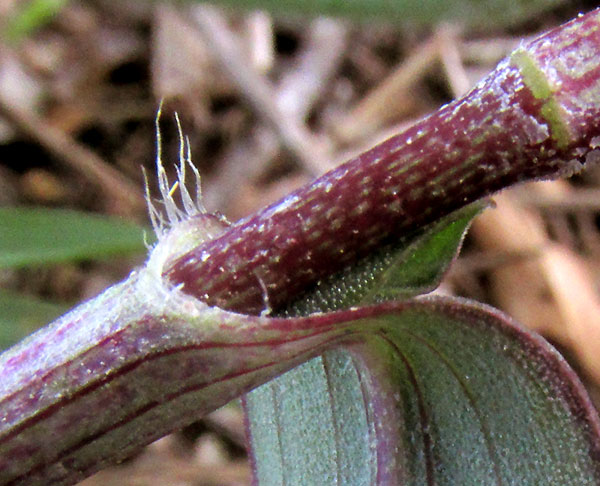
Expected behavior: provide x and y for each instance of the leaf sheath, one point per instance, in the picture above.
(72, 405)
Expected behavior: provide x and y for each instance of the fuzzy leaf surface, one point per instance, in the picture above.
(410, 267)
(308, 423)
(449, 393)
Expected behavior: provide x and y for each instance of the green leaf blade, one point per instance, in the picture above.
(502, 406)
(421, 265)
(423, 12)
(413, 266)
(455, 394)
(36, 236)
(322, 434)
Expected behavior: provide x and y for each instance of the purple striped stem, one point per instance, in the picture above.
(150, 354)
(536, 116)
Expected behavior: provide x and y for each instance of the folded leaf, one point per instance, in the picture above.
(442, 394)
(440, 378)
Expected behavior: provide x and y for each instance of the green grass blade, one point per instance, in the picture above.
(36, 236)
(425, 12)
(20, 315)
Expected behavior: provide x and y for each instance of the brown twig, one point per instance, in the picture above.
(390, 98)
(257, 91)
(451, 60)
(319, 60)
(579, 199)
(298, 90)
(126, 195)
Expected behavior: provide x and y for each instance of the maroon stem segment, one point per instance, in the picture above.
(536, 116)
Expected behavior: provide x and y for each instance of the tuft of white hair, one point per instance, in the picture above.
(166, 212)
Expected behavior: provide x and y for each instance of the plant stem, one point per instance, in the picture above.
(535, 116)
(139, 360)
(126, 368)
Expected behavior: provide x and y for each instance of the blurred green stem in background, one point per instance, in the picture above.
(472, 13)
